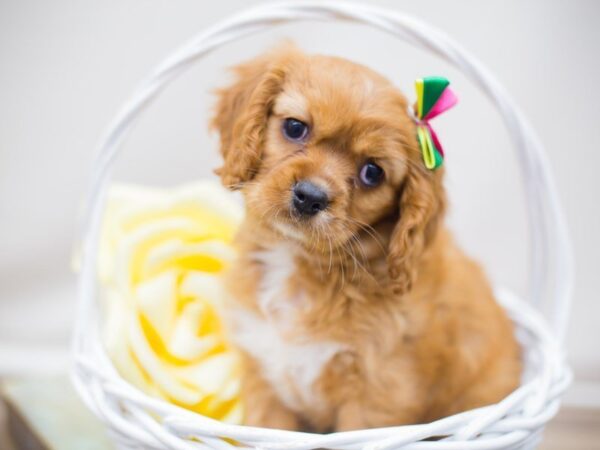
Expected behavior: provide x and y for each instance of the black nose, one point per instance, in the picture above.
(308, 198)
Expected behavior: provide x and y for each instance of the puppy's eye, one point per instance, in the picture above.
(294, 129)
(371, 174)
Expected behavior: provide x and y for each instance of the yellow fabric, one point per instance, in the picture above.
(419, 88)
(428, 152)
(162, 254)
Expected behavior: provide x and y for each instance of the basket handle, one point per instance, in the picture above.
(551, 255)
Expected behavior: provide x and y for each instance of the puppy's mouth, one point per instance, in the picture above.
(306, 230)
(307, 213)
(304, 213)
(290, 231)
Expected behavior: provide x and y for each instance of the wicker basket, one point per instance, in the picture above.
(136, 420)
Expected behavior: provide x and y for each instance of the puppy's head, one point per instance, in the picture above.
(323, 148)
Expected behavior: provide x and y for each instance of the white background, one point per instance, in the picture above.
(66, 66)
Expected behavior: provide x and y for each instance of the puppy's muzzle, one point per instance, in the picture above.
(308, 199)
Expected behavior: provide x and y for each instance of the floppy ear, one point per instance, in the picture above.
(422, 206)
(241, 116)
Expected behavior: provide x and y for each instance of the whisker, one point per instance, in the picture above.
(370, 231)
(330, 253)
(342, 263)
(356, 239)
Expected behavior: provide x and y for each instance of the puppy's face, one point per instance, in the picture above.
(323, 148)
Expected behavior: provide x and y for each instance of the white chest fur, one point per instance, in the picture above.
(290, 364)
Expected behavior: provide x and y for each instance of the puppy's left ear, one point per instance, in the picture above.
(242, 114)
(422, 207)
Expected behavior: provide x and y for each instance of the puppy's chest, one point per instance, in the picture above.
(291, 359)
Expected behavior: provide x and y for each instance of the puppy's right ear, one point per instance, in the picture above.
(242, 114)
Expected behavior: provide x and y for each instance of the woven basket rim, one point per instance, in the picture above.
(525, 407)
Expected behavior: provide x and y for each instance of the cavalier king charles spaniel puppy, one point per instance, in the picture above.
(350, 303)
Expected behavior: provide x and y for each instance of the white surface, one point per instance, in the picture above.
(71, 65)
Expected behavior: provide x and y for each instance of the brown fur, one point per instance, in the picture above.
(423, 335)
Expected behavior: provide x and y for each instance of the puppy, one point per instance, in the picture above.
(350, 303)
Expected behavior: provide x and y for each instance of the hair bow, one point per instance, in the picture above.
(434, 96)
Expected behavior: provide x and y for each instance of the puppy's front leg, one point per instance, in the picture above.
(263, 407)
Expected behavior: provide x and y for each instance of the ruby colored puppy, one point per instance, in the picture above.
(350, 303)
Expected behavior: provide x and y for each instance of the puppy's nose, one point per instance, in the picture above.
(308, 198)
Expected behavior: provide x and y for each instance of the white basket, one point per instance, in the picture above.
(137, 420)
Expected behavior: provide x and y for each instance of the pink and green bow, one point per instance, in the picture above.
(434, 96)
